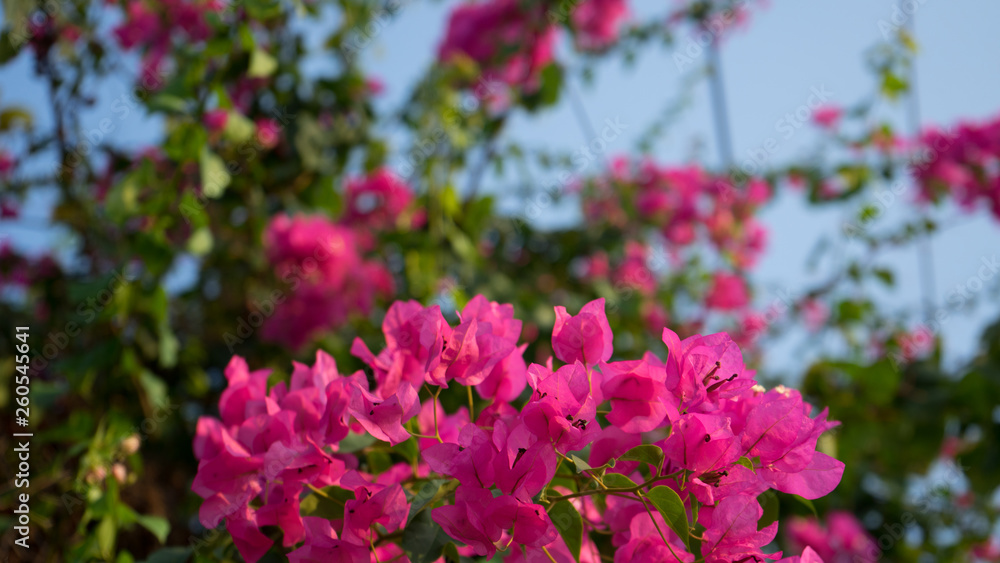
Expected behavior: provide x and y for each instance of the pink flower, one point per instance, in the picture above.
(645, 543)
(8, 209)
(374, 504)
(585, 337)
(415, 337)
(731, 531)
(780, 431)
(377, 201)
(562, 410)
(638, 394)
(380, 413)
(325, 278)
(598, 22)
(468, 520)
(322, 545)
(808, 556)
(268, 133)
(374, 86)
(827, 116)
(6, 163)
(511, 43)
(215, 120)
(814, 313)
(843, 540)
(263, 449)
(728, 292)
(633, 272)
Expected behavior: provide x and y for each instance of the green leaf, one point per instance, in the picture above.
(886, 276)
(123, 199)
(238, 128)
(262, 64)
(330, 506)
(106, 533)
(10, 117)
(200, 242)
(618, 481)
(671, 507)
(648, 453)
(806, 503)
(569, 523)
(355, 442)
(170, 555)
(155, 388)
(214, 175)
(159, 527)
(450, 553)
(423, 539)
(745, 462)
(769, 502)
(425, 495)
(581, 465)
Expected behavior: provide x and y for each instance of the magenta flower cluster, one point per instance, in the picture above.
(719, 442)
(324, 265)
(961, 164)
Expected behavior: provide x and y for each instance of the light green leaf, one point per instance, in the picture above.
(581, 465)
(239, 128)
(215, 177)
(262, 64)
(201, 242)
(671, 507)
(106, 533)
(160, 527)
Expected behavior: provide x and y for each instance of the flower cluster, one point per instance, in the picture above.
(512, 41)
(688, 209)
(323, 262)
(961, 163)
(687, 205)
(661, 460)
(842, 540)
(153, 26)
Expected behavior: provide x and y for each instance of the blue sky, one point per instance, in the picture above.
(770, 69)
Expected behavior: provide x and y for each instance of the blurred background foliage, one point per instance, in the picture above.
(127, 360)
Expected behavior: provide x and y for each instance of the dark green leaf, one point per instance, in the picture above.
(425, 495)
(769, 502)
(569, 523)
(672, 509)
(423, 539)
(618, 481)
(170, 555)
(648, 453)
